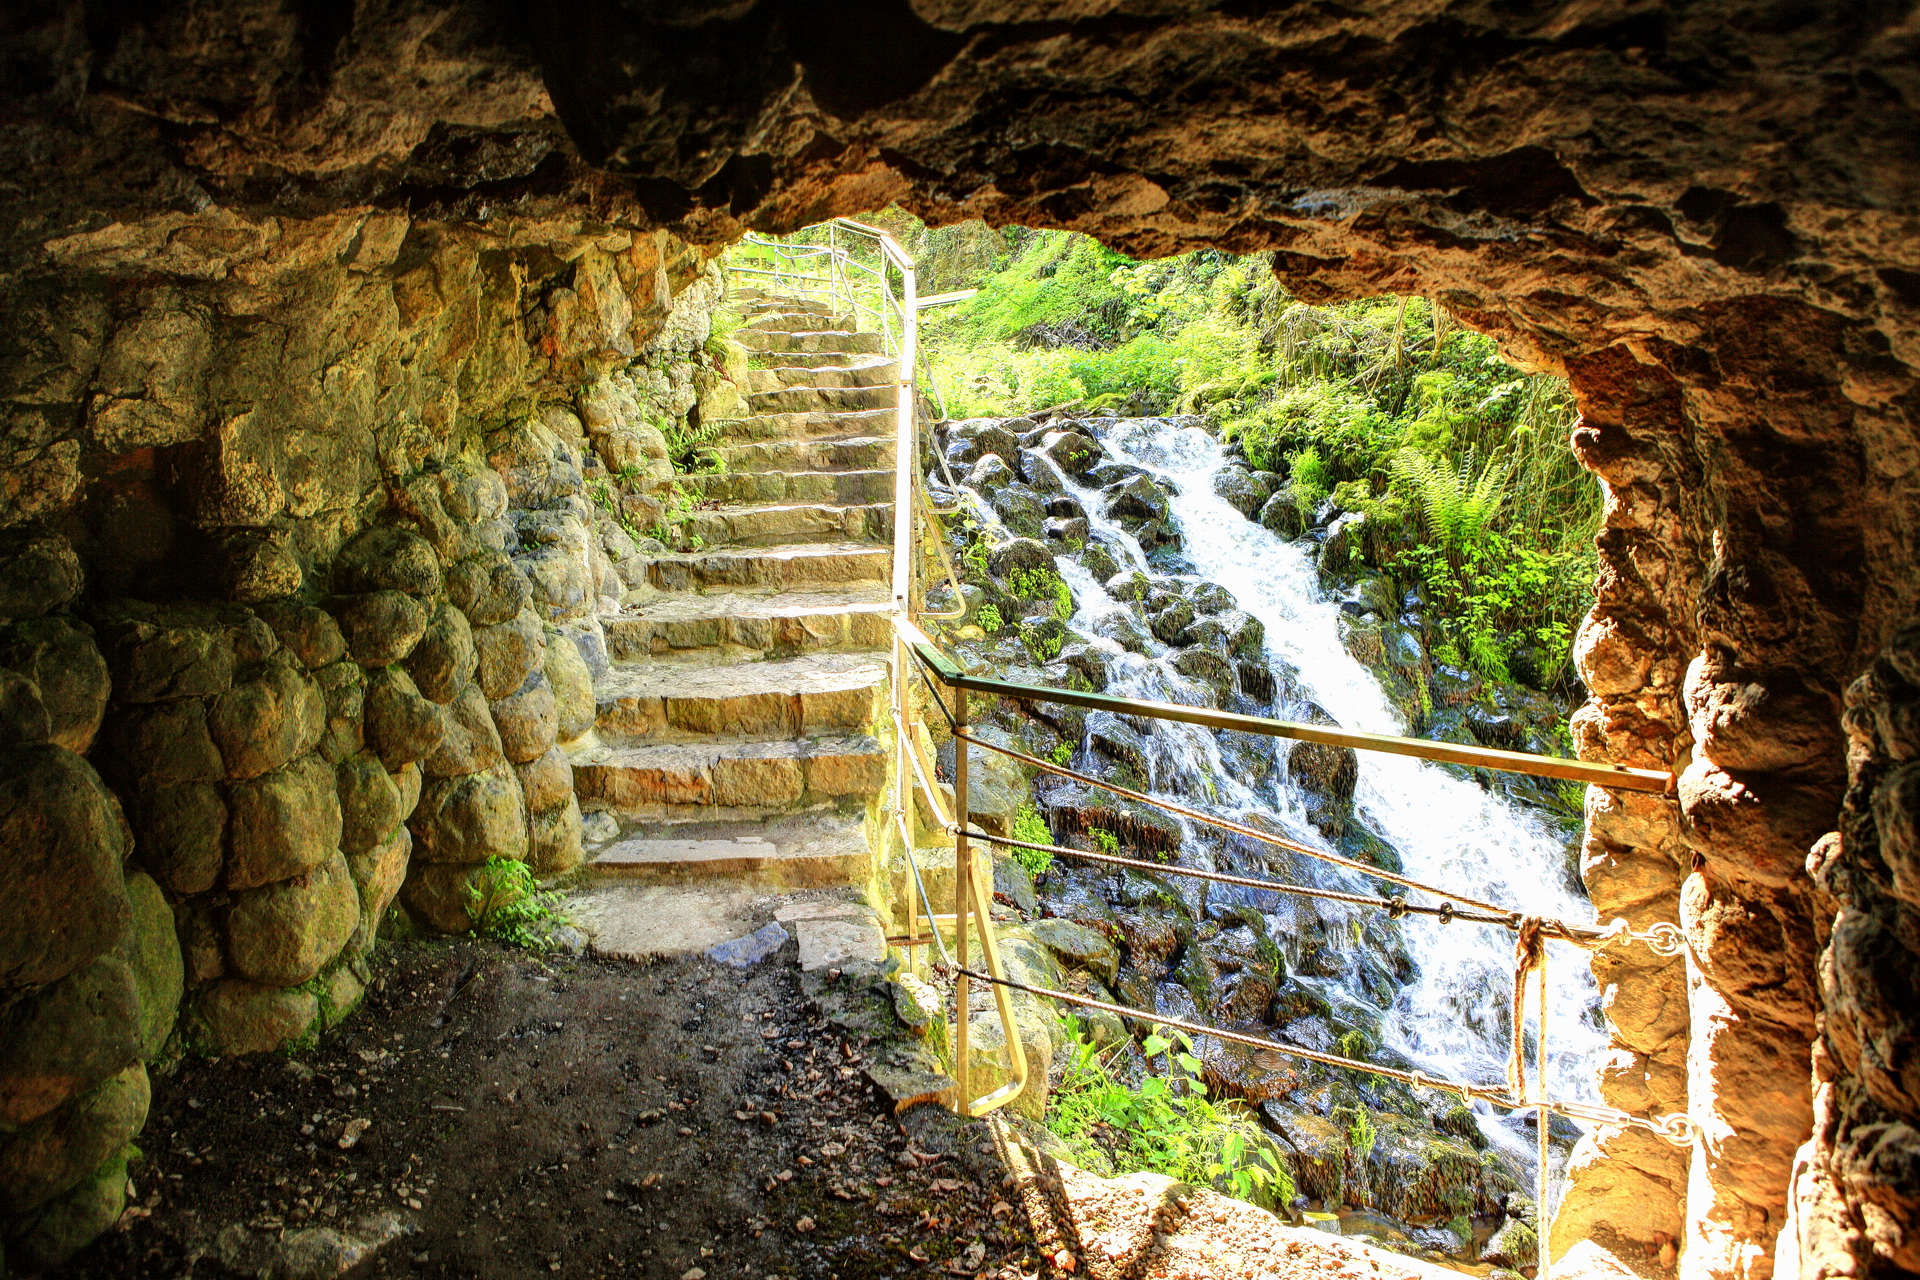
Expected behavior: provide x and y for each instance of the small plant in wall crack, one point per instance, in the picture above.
(507, 904)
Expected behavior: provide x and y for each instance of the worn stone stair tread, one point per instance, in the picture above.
(790, 621)
(864, 452)
(793, 677)
(809, 424)
(771, 524)
(795, 851)
(764, 776)
(790, 564)
(834, 488)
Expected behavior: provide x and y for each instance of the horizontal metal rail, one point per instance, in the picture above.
(1617, 776)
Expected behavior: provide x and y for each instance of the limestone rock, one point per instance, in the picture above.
(237, 1016)
(340, 994)
(262, 723)
(308, 632)
(167, 742)
(260, 570)
(527, 720)
(282, 824)
(436, 896)
(66, 1038)
(23, 716)
(444, 661)
(402, 726)
(546, 780)
(408, 779)
(470, 818)
(379, 873)
(284, 933)
(152, 952)
(381, 627)
(553, 839)
(563, 587)
(471, 744)
(54, 1154)
(38, 573)
(67, 1223)
(182, 834)
(969, 441)
(1078, 946)
(572, 682)
(369, 803)
(156, 655)
(387, 558)
(1239, 490)
(488, 588)
(62, 840)
(61, 658)
(343, 686)
(508, 653)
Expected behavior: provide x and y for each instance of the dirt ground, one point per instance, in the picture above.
(489, 1113)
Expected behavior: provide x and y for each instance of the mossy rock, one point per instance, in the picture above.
(68, 1224)
(53, 1155)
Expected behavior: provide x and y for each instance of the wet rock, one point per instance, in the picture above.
(1099, 561)
(64, 842)
(1246, 635)
(1111, 736)
(1037, 474)
(1210, 598)
(1013, 884)
(284, 933)
(401, 726)
(990, 475)
(1282, 514)
(1168, 615)
(1072, 531)
(61, 658)
(1208, 668)
(1042, 635)
(53, 1155)
(1343, 551)
(1089, 663)
(1239, 490)
(1107, 474)
(1130, 586)
(262, 723)
(489, 588)
(1078, 946)
(444, 660)
(1074, 453)
(1019, 556)
(381, 627)
(1136, 498)
(970, 440)
(1020, 507)
(387, 558)
(282, 823)
(67, 1037)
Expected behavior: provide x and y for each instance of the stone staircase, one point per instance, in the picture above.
(733, 741)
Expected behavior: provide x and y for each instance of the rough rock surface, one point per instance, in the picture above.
(261, 269)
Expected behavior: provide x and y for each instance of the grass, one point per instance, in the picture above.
(1166, 1123)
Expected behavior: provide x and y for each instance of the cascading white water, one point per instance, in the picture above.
(1450, 1019)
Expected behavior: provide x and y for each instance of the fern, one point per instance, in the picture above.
(1458, 504)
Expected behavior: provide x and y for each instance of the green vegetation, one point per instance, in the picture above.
(989, 620)
(1167, 1123)
(1104, 840)
(1361, 1132)
(1028, 825)
(1385, 406)
(506, 903)
(1062, 755)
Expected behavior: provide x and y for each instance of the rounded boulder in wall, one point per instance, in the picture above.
(152, 951)
(508, 653)
(444, 660)
(387, 558)
(489, 588)
(381, 627)
(55, 1153)
(401, 726)
(572, 682)
(527, 720)
(262, 723)
(472, 743)
(68, 1037)
(470, 818)
(379, 872)
(62, 660)
(369, 803)
(237, 1016)
(306, 631)
(182, 834)
(553, 846)
(436, 896)
(71, 1221)
(64, 897)
(546, 780)
(283, 823)
(284, 933)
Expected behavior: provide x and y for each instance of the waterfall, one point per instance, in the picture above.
(1450, 1019)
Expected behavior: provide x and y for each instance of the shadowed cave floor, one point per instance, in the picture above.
(531, 1116)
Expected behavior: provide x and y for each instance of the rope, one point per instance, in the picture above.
(1529, 954)
(1395, 906)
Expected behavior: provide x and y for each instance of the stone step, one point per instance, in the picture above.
(794, 426)
(808, 399)
(874, 373)
(838, 488)
(797, 852)
(766, 526)
(667, 701)
(788, 319)
(789, 623)
(840, 341)
(728, 779)
(802, 565)
(845, 453)
(759, 304)
(817, 360)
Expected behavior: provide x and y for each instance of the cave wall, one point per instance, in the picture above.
(1704, 215)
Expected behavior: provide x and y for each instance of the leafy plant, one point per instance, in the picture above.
(506, 903)
(989, 620)
(1104, 840)
(1028, 825)
(1062, 600)
(1361, 1132)
(1062, 754)
(1041, 641)
(1167, 1123)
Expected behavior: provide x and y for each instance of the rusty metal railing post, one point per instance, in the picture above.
(962, 904)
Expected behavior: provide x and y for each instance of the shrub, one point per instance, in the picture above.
(506, 903)
(989, 620)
